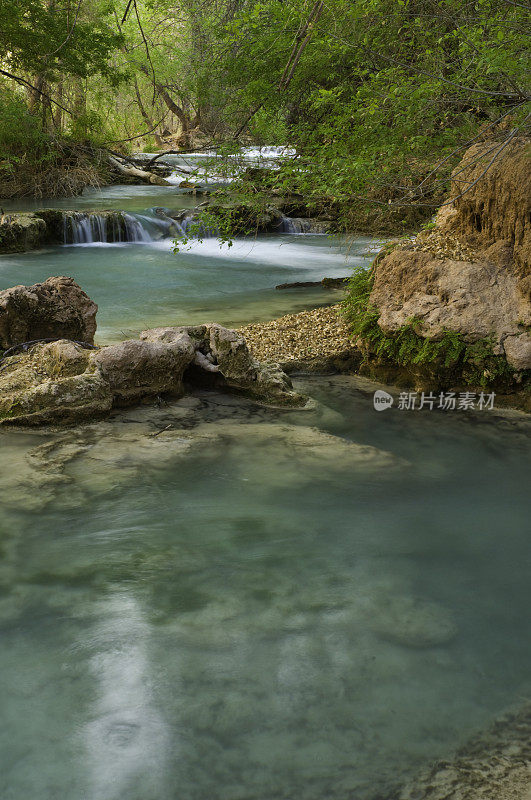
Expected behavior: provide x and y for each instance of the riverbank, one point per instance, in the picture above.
(494, 765)
(314, 340)
(320, 341)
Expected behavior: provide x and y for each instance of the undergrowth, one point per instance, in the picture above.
(41, 163)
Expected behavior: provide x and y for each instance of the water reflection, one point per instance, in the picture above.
(127, 738)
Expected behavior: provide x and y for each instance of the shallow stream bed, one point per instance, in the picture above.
(208, 599)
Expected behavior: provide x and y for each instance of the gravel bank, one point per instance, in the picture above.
(495, 765)
(317, 338)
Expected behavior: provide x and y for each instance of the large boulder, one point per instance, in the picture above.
(478, 299)
(57, 308)
(472, 273)
(224, 351)
(135, 369)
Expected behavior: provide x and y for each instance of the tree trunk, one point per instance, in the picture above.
(171, 105)
(80, 100)
(145, 116)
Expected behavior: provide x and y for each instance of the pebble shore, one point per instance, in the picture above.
(320, 333)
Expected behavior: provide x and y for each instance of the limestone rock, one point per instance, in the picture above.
(477, 299)
(518, 350)
(135, 369)
(19, 232)
(53, 309)
(472, 274)
(497, 207)
(227, 352)
(63, 381)
(53, 382)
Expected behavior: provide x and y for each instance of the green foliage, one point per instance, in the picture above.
(36, 163)
(381, 91)
(20, 138)
(88, 127)
(475, 363)
(202, 226)
(49, 39)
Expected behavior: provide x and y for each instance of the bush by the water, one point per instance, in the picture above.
(38, 163)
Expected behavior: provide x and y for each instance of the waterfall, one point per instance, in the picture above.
(82, 228)
(89, 227)
(193, 229)
(113, 226)
(134, 230)
(295, 225)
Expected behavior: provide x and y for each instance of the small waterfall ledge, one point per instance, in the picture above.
(20, 232)
(117, 226)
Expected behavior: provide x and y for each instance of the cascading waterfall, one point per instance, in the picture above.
(295, 225)
(87, 228)
(119, 226)
(192, 228)
(80, 228)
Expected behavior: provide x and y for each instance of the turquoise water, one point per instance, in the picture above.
(253, 604)
(144, 285)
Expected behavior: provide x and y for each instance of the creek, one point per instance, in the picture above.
(251, 604)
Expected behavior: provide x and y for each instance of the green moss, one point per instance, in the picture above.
(450, 356)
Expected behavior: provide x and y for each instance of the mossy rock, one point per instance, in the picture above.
(57, 381)
(20, 232)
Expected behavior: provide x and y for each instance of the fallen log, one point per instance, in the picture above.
(135, 172)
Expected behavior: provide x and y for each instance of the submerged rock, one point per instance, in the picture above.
(412, 623)
(57, 308)
(293, 455)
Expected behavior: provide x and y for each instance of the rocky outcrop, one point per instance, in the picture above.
(224, 353)
(62, 381)
(19, 232)
(476, 298)
(497, 208)
(54, 381)
(23, 231)
(472, 274)
(56, 308)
